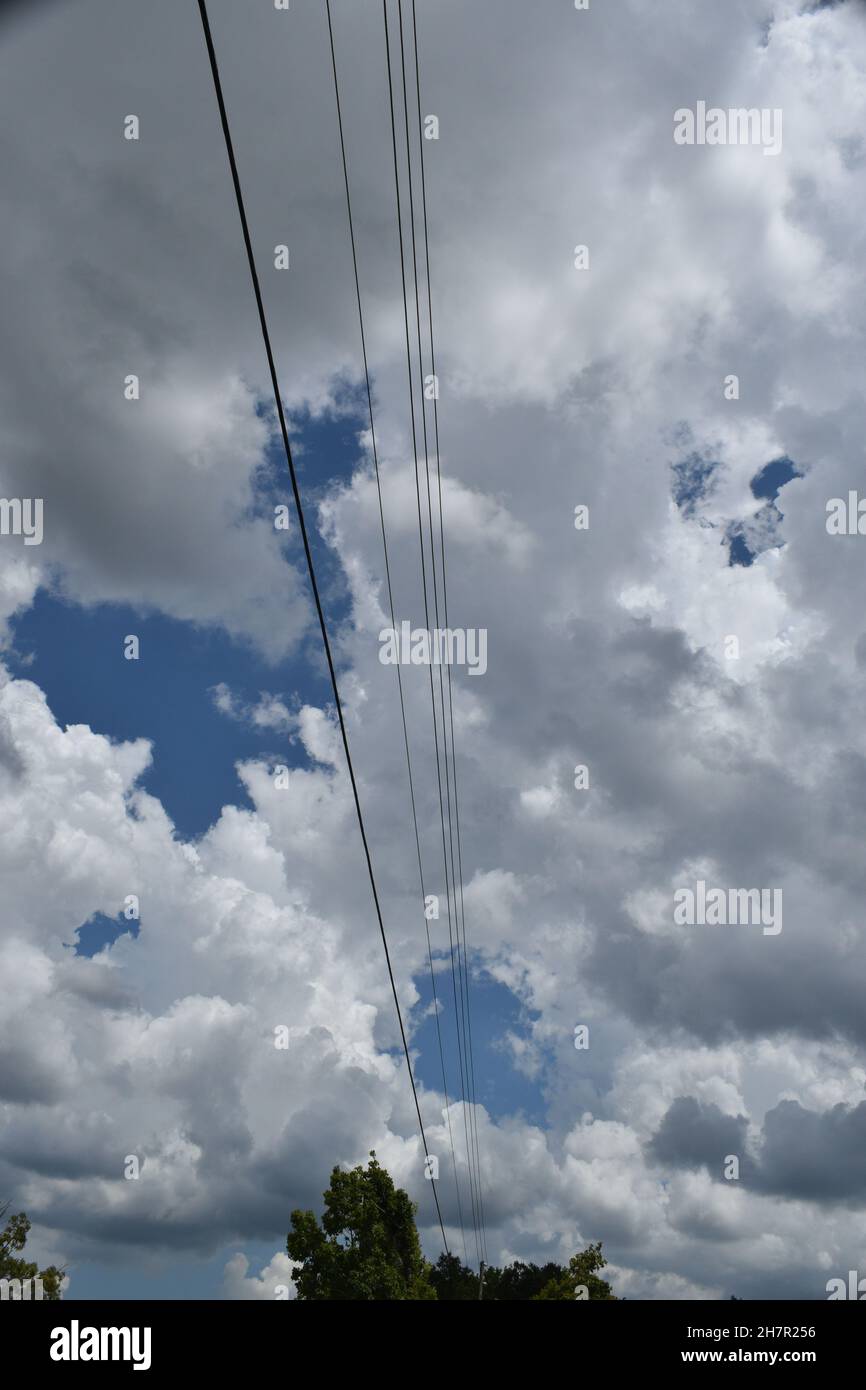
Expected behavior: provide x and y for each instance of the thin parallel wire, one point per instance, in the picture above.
(444, 583)
(448, 888)
(461, 963)
(424, 572)
(391, 607)
(278, 402)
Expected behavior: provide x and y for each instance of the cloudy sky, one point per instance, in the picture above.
(700, 647)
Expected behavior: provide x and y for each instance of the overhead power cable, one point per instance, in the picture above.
(410, 369)
(391, 607)
(278, 403)
(446, 812)
(445, 602)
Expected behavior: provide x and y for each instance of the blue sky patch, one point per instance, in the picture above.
(761, 531)
(694, 478)
(100, 931)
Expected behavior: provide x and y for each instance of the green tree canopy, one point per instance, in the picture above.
(453, 1280)
(581, 1275)
(519, 1280)
(12, 1240)
(367, 1245)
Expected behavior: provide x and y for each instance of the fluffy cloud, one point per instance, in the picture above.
(268, 712)
(275, 1280)
(606, 647)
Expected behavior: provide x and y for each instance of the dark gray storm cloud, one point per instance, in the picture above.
(808, 1155)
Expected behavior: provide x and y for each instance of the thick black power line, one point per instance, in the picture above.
(426, 606)
(445, 593)
(391, 604)
(278, 402)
